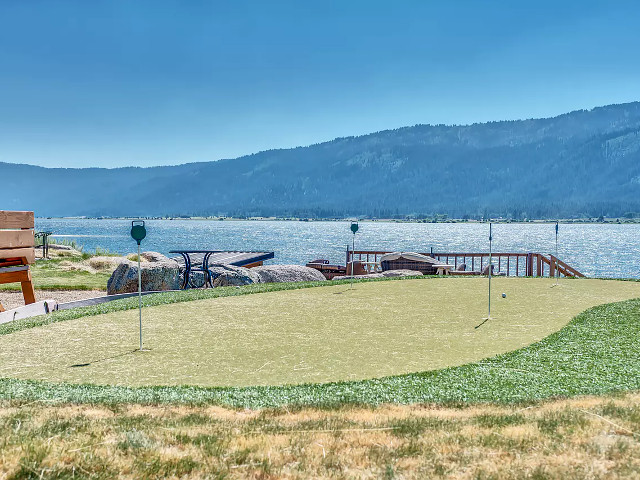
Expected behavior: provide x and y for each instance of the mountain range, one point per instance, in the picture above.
(584, 163)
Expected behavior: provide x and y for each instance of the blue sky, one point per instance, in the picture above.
(114, 83)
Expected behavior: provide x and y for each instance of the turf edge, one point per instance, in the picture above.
(596, 353)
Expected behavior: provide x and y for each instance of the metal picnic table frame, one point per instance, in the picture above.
(45, 242)
(189, 267)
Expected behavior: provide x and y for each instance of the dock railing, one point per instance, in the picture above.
(511, 264)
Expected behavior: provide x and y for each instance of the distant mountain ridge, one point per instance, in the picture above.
(583, 163)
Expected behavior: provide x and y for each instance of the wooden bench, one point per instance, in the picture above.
(17, 251)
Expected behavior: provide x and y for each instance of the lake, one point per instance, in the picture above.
(599, 250)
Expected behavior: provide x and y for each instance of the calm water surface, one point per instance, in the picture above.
(595, 250)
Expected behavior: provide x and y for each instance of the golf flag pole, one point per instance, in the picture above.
(354, 229)
(138, 232)
(140, 295)
(490, 265)
(557, 272)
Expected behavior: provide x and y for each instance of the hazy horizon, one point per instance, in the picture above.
(109, 84)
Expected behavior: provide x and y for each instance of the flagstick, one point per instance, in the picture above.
(353, 249)
(140, 296)
(138, 233)
(485, 320)
(354, 229)
(557, 272)
(490, 266)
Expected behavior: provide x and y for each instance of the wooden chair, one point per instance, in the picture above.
(17, 251)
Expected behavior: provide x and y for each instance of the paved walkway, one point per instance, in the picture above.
(13, 299)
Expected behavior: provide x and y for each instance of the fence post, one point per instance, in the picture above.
(539, 266)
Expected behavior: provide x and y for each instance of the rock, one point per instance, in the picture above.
(388, 273)
(401, 273)
(104, 262)
(230, 275)
(154, 257)
(55, 246)
(358, 277)
(158, 273)
(462, 267)
(287, 273)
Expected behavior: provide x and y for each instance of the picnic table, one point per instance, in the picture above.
(198, 262)
(45, 242)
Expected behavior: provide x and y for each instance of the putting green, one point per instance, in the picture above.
(309, 335)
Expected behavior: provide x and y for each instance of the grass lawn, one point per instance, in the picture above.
(62, 273)
(570, 439)
(305, 336)
(596, 353)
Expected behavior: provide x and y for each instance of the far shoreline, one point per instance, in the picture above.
(436, 219)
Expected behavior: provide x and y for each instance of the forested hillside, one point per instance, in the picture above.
(584, 163)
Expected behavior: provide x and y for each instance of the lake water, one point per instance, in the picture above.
(602, 250)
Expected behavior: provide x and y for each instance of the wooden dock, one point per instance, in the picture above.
(511, 264)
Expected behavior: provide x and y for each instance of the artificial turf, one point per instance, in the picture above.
(334, 333)
(595, 353)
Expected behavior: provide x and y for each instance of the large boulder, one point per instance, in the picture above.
(230, 275)
(358, 277)
(401, 273)
(287, 273)
(157, 271)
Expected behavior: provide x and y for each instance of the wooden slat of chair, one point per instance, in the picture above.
(16, 238)
(17, 251)
(16, 220)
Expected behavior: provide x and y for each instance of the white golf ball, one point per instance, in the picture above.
(504, 295)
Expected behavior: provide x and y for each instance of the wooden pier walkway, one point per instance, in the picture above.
(511, 264)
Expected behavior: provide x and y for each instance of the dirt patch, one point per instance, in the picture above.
(104, 263)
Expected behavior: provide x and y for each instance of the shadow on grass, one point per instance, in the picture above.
(105, 359)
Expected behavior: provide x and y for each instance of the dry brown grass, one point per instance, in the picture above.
(580, 438)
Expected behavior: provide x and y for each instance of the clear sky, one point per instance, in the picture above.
(114, 83)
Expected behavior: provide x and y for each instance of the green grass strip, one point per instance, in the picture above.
(596, 353)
